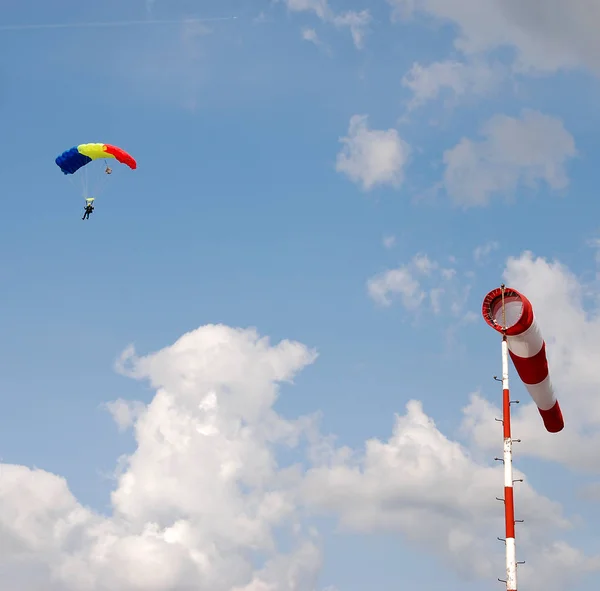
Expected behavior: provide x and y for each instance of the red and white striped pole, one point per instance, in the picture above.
(494, 312)
(509, 504)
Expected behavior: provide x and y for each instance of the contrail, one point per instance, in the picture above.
(114, 24)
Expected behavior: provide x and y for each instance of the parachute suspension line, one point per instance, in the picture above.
(100, 179)
(90, 185)
(105, 175)
(84, 181)
(72, 181)
(78, 183)
(87, 181)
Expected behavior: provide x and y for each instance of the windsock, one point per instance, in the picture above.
(511, 313)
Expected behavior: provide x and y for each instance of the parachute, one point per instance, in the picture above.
(76, 159)
(72, 160)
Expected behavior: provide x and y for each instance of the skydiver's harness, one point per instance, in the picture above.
(89, 207)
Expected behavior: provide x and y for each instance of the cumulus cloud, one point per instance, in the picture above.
(356, 21)
(427, 82)
(515, 151)
(400, 282)
(427, 487)
(371, 157)
(422, 281)
(200, 502)
(546, 36)
(125, 412)
(197, 503)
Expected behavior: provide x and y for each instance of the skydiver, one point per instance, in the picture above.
(108, 170)
(89, 208)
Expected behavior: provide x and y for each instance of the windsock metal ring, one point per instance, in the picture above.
(526, 348)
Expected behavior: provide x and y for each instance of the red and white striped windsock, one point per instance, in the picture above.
(513, 315)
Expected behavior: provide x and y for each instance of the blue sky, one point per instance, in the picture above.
(237, 215)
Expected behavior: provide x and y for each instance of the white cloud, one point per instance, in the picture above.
(424, 264)
(545, 35)
(421, 484)
(590, 492)
(436, 295)
(396, 282)
(514, 151)
(419, 282)
(124, 412)
(319, 7)
(372, 157)
(356, 21)
(199, 495)
(427, 82)
(310, 35)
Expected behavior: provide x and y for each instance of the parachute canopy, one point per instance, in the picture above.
(72, 160)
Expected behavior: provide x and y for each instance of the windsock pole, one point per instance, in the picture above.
(509, 506)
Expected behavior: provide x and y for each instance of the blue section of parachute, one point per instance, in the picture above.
(72, 160)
